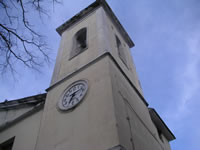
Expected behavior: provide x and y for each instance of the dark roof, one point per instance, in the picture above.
(160, 125)
(89, 9)
(27, 101)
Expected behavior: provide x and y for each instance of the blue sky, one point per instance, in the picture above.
(166, 54)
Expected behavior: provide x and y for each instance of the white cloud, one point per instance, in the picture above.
(189, 80)
(190, 76)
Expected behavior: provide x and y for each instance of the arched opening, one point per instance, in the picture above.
(79, 42)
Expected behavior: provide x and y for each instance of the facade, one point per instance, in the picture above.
(94, 101)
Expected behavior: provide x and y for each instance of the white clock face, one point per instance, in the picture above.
(73, 95)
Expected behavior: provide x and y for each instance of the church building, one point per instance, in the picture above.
(94, 101)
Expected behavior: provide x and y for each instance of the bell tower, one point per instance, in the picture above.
(95, 101)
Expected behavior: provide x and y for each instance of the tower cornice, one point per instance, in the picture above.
(90, 9)
(92, 62)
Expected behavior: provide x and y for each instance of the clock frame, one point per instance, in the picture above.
(73, 95)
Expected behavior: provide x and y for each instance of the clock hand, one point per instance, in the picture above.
(72, 95)
(75, 93)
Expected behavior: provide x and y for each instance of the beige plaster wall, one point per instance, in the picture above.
(138, 126)
(110, 31)
(166, 144)
(101, 38)
(25, 132)
(8, 115)
(89, 126)
(64, 66)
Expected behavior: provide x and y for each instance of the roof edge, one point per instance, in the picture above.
(160, 124)
(92, 7)
(35, 109)
(26, 101)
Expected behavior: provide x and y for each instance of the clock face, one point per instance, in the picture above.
(73, 95)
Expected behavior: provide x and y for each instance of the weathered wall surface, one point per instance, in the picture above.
(133, 119)
(110, 31)
(8, 115)
(25, 132)
(64, 66)
(91, 125)
(166, 143)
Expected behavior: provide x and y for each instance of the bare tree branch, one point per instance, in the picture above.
(22, 44)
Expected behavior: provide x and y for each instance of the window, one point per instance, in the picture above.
(79, 42)
(121, 51)
(7, 145)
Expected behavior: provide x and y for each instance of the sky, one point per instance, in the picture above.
(166, 54)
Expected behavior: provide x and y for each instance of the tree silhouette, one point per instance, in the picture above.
(19, 42)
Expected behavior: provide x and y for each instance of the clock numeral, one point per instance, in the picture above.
(83, 88)
(74, 88)
(65, 97)
(70, 91)
(65, 103)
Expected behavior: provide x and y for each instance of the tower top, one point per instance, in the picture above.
(88, 10)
